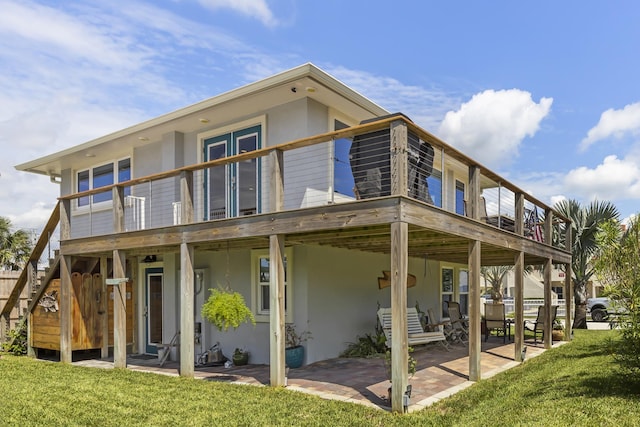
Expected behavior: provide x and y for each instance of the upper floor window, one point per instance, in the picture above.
(102, 176)
(234, 189)
(459, 197)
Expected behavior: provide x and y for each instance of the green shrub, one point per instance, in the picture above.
(17, 343)
(366, 346)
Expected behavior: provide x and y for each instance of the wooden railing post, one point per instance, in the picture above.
(118, 209)
(399, 165)
(186, 197)
(473, 202)
(276, 190)
(519, 223)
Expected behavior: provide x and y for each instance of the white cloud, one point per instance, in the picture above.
(491, 126)
(613, 179)
(257, 9)
(614, 123)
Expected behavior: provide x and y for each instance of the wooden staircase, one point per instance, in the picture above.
(28, 275)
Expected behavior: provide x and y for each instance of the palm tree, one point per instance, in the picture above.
(15, 248)
(585, 221)
(494, 275)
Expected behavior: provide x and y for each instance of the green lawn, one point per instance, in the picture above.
(576, 384)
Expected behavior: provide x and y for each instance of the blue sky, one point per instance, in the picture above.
(545, 93)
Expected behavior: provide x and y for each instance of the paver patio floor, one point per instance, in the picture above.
(439, 373)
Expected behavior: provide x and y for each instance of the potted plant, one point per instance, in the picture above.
(411, 367)
(557, 334)
(294, 351)
(240, 357)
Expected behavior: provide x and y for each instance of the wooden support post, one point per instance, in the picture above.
(399, 165)
(568, 288)
(186, 197)
(31, 352)
(277, 310)
(548, 266)
(133, 278)
(104, 308)
(518, 334)
(475, 263)
(475, 340)
(118, 210)
(187, 312)
(399, 344)
(548, 327)
(4, 327)
(277, 368)
(119, 310)
(66, 306)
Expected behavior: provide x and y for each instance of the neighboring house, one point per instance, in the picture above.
(210, 194)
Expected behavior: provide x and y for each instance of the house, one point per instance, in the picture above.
(295, 191)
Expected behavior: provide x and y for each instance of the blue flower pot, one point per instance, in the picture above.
(294, 356)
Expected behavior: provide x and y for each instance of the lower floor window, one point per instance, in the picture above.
(261, 278)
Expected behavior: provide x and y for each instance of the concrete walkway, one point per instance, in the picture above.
(439, 373)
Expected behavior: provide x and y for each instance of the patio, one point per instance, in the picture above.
(439, 373)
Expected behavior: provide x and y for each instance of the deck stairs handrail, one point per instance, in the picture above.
(38, 249)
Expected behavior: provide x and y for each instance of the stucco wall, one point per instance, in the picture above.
(335, 297)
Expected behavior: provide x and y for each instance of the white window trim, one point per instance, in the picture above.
(264, 316)
(234, 127)
(441, 292)
(100, 206)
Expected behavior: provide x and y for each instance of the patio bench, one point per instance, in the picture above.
(416, 335)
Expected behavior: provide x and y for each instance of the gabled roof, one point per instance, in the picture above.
(306, 80)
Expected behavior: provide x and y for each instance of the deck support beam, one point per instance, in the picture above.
(547, 327)
(399, 345)
(475, 339)
(548, 266)
(187, 312)
(568, 289)
(66, 325)
(119, 310)
(518, 334)
(277, 368)
(104, 307)
(277, 311)
(474, 264)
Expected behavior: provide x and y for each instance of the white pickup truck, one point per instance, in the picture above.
(599, 308)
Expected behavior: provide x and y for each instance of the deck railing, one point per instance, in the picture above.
(391, 156)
